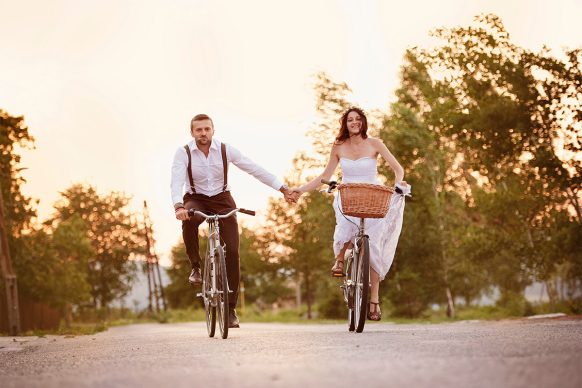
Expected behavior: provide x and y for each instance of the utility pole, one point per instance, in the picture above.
(8, 275)
(155, 287)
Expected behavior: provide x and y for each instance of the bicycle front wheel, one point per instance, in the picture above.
(209, 310)
(348, 288)
(222, 289)
(362, 286)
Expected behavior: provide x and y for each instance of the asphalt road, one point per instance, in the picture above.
(512, 353)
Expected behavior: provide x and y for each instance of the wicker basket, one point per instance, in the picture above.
(365, 200)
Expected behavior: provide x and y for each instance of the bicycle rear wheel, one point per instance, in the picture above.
(362, 285)
(222, 288)
(209, 310)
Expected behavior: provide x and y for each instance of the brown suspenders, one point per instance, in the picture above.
(224, 166)
(190, 168)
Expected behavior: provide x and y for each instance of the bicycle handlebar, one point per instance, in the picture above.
(249, 212)
(192, 212)
(333, 185)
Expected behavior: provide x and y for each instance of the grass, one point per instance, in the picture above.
(74, 330)
(94, 323)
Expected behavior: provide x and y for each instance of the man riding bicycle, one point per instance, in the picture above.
(200, 181)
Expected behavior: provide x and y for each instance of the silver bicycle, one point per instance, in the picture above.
(215, 290)
(356, 283)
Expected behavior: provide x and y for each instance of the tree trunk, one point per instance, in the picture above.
(68, 313)
(450, 304)
(574, 200)
(552, 294)
(308, 294)
(298, 292)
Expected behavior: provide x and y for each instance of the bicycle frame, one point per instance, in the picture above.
(355, 253)
(213, 243)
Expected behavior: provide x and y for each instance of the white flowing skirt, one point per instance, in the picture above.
(383, 233)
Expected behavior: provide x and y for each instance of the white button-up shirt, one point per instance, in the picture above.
(207, 172)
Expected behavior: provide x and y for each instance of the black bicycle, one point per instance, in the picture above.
(215, 290)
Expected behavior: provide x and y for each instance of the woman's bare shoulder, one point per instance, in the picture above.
(336, 146)
(375, 142)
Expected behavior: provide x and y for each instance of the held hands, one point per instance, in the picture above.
(295, 194)
(291, 195)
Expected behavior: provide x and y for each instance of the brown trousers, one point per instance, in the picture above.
(228, 233)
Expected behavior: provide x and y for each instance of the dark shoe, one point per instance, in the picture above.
(338, 269)
(375, 315)
(195, 277)
(233, 321)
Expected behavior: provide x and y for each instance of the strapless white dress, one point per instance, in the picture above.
(383, 232)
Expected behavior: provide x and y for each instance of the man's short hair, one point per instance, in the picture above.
(200, 117)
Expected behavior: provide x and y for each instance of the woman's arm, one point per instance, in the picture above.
(390, 159)
(326, 174)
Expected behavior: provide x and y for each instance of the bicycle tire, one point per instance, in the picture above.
(351, 320)
(209, 310)
(222, 288)
(362, 285)
(349, 292)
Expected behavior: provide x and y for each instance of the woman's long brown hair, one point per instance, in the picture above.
(343, 133)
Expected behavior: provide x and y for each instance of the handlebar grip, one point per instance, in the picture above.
(326, 182)
(249, 212)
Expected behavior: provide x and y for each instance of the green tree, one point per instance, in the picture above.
(114, 235)
(263, 279)
(300, 237)
(433, 264)
(477, 125)
(18, 208)
(513, 108)
(180, 293)
(73, 250)
(53, 265)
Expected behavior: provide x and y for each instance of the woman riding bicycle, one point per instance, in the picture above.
(357, 155)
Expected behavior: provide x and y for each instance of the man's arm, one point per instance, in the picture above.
(178, 177)
(251, 168)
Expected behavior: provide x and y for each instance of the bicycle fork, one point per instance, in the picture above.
(213, 243)
(349, 285)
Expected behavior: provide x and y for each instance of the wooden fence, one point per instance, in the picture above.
(33, 315)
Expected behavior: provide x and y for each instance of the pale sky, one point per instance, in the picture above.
(108, 88)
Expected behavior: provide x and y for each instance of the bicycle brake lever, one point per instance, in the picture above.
(332, 186)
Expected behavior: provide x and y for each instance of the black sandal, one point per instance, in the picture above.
(338, 269)
(377, 314)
